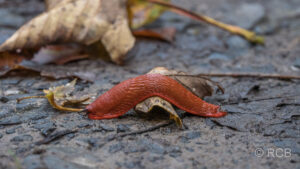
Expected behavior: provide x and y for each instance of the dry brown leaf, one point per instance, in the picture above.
(59, 54)
(81, 21)
(147, 105)
(53, 71)
(8, 61)
(200, 86)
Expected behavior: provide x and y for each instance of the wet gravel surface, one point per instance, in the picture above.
(261, 129)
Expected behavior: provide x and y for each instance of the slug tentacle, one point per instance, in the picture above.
(124, 96)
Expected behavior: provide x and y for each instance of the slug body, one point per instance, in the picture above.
(124, 96)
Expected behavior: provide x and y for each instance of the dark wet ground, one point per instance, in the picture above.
(263, 113)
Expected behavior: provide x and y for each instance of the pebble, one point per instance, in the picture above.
(10, 131)
(22, 138)
(54, 162)
(248, 14)
(4, 99)
(15, 119)
(295, 147)
(122, 128)
(43, 124)
(218, 56)
(26, 106)
(1, 135)
(237, 43)
(116, 147)
(152, 146)
(5, 111)
(32, 162)
(189, 136)
(83, 125)
(106, 127)
(174, 151)
(47, 131)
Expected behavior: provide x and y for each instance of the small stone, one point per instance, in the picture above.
(4, 99)
(22, 138)
(297, 63)
(116, 147)
(154, 158)
(43, 124)
(10, 131)
(5, 111)
(53, 162)
(236, 42)
(26, 106)
(122, 128)
(175, 151)
(106, 127)
(237, 46)
(47, 131)
(32, 162)
(11, 120)
(11, 81)
(218, 56)
(193, 135)
(152, 146)
(189, 136)
(133, 164)
(36, 116)
(1, 135)
(70, 136)
(248, 14)
(83, 125)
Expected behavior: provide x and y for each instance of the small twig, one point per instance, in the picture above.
(260, 99)
(29, 97)
(164, 124)
(55, 136)
(252, 75)
(250, 36)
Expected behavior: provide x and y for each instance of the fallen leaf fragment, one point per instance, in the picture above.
(165, 34)
(147, 106)
(60, 96)
(8, 61)
(59, 54)
(53, 71)
(141, 12)
(80, 21)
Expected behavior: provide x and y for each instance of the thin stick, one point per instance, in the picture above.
(250, 36)
(146, 130)
(239, 75)
(55, 136)
(261, 99)
(29, 97)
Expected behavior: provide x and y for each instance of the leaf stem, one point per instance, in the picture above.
(29, 97)
(250, 36)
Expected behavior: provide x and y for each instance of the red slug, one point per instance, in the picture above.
(124, 96)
